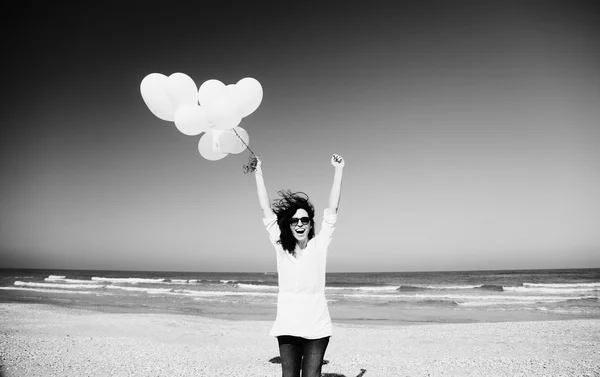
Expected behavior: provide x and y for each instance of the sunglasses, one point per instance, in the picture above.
(304, 220)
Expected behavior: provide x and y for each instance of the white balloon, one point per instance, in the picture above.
(154, 93)
(223, 112)
(211, 124)
(230, 90)
(226, 141)
(239, 146)
(191, 120)
(216, 136)
(230, 121)
(210, 90)
(205, 147)
(248, 95)
(181, 90)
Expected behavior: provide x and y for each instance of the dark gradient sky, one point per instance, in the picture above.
(470, 130)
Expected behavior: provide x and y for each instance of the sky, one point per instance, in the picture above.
(470, 131)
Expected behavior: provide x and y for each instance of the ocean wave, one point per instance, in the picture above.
(483, 303)
(562, 285)
(382, 288)
(491, 287)
(523, 299)
(566, 290)
(76, 287)
(416, 288)
(411, 298)
(525, 288)
(252, 286)
(142, 290)
(187, 292)
(166, 281)
(411, 288)
(258, 283)
(192, 281)
(73, 281)
(454, 286)
(56, 277)
(103, 280)
(132, 280)
(462, 297)
(184, 281)
(437, 303)
(231, 293)
(64, 287)
(412, 302)
(359, 284)
(501, 297)
(42, 290)
(363, 295)
(59, 287)
(586, 301)
(377, 289)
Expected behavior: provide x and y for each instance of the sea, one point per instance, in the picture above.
(383, 298)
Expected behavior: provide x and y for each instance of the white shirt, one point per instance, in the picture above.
(301, 305)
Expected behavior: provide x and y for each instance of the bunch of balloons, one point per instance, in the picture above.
(214, 109)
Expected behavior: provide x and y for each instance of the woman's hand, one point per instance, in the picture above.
(337, 161)
(258, 168)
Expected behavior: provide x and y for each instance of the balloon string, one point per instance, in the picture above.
(243, 141)
(252, 161)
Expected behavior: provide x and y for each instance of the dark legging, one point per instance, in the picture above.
(299, 353)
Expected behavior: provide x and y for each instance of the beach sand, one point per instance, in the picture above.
(46, 340)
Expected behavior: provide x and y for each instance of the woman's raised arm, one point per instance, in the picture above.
(263, 195)
(336, 190)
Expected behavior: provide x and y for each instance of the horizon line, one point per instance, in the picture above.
(329, 272)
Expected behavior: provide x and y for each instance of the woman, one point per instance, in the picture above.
(303, 324)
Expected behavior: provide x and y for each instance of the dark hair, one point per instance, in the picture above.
(285, 207)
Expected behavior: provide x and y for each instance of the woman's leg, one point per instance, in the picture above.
(290, 351)
(314, 351)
